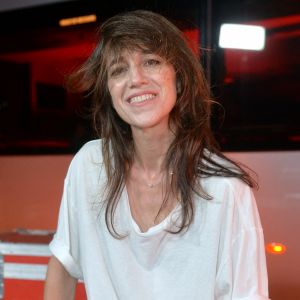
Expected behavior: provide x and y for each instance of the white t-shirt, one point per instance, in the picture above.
(221, 256)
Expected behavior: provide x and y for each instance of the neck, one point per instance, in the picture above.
(151, 146)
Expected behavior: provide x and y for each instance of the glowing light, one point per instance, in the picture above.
(247, 37)
(77, 20)
(276, 248)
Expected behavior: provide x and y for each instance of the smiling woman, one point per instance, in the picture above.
(143, 90)
(153, 209)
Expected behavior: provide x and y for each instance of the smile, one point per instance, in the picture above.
(141, 98)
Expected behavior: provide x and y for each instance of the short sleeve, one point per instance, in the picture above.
(65, 244)
(243, 274)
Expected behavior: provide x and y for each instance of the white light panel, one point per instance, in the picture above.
(247, 37)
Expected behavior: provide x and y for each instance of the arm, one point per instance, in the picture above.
(242, 273)
(59, 285)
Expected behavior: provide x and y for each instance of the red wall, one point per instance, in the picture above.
(30, 191)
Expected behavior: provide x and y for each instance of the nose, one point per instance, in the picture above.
(137, 76)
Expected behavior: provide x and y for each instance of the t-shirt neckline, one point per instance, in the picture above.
(164, 224)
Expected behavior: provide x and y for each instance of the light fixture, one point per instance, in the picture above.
(238, 36)
(276, 248)
(77, 20)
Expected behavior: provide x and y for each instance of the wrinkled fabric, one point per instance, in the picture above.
(220, 257)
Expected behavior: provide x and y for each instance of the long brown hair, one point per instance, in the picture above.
(194, 150)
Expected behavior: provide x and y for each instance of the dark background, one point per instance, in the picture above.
(258, 90)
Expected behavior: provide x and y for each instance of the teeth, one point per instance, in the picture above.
(141, 98)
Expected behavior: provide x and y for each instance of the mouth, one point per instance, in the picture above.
(141, 98)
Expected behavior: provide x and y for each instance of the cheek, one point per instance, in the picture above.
(170, 83)
(170, 79)
(115, 101)
(113, 94)
(115, 89)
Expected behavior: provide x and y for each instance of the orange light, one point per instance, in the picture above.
(77, 20)
(276, 248)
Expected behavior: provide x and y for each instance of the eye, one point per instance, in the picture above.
(152, 62)
(116, 71)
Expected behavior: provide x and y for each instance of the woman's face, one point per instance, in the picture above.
(143, 89)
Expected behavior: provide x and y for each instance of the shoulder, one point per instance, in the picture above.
(234, 199)
(218, 187)
(89, 153)
(87, 160)
(223, 173)
(219, 161)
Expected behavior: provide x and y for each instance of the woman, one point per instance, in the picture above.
(153, 210)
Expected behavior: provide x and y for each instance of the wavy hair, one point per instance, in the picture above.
(194, 150)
